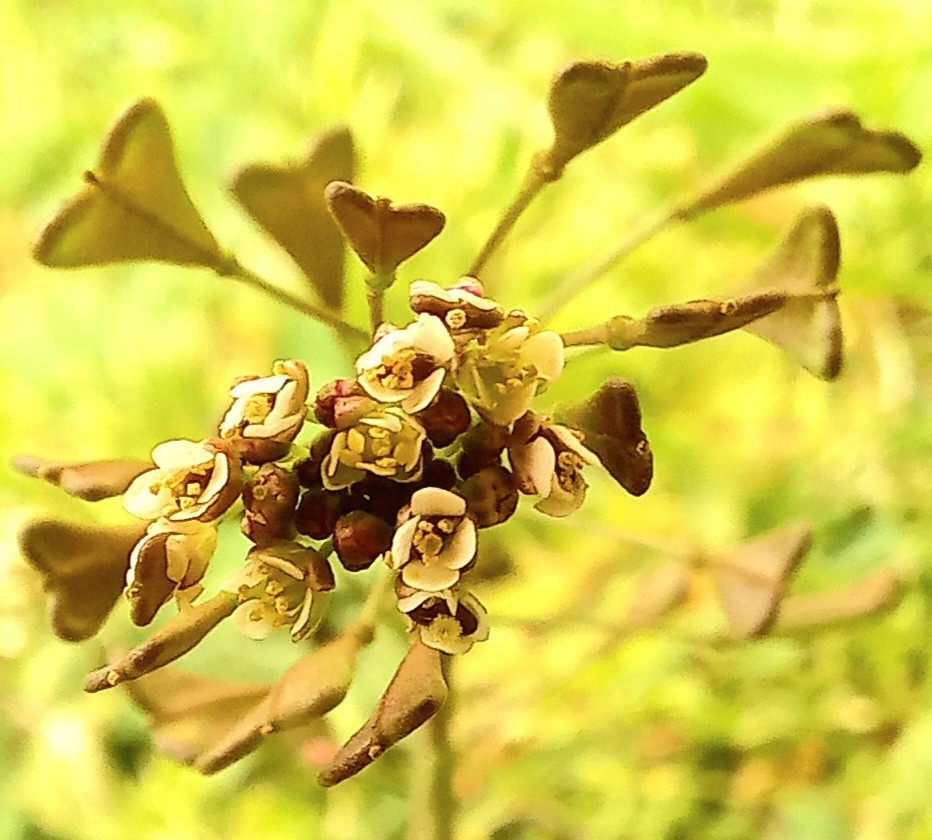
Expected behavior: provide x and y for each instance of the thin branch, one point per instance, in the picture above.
(535, 180)
(349, 332)
(577, 283)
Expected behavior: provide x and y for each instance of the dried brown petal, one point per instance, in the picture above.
(308, 690)
(174, 639)
(590, 100)
(88, 480)
(864, 597)
(751, 579)
(414, 695)
(84, 568)
(671, 326)
(657, 593)
(288, 202)
(133, 206)
(311, 562)
(383, 234)
(830, 143)
(805, 266)
(610, 421)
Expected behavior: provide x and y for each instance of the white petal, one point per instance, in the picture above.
(421, 394)
(534, 466)
(471, 603)
(140, 501)
(444, 642)
(271, 429)
(218, 479)
(545, 352)
(434, 501)
(401, 542)
(180, 454)
(262, 385)
(414, 600)
(573, 443)
(431, 577)
(561, 503)
(432, 338)
(461, 546)
(253, 628)
(513, 339)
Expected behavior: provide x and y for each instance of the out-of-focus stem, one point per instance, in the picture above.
(347, 331)
(433, 804)
(535, 180)
(577, 283)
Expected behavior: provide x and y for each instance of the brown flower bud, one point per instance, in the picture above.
(491, 496)
(339, 402)
(414, 695)
(308, 470)
(360, 537)
(269, 497)
(464, 306)
(482, 447)
(91, 481)
(446, 418)
(317, 512)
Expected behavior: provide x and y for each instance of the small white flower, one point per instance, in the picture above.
(385, 442)
(502, 370)
(170, 560)
(407, 366)
(463, 306)
(435, 543)
(281, 586)
(547, 461)
(191, 481)
(268, 411)
(457, 633)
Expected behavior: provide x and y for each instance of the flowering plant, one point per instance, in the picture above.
(437, 433)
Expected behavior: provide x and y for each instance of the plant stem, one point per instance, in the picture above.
(579, 282)
(433, 805)
(588, 337)
(349, 332)
(534, 182)
(376, 303)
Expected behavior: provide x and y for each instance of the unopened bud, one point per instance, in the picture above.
(491, 496)
(482, 447)
(317, 513)
(446, 418)
(269, 498)
(360, 537)
(339, 402)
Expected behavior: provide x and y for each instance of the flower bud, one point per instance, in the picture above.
(340, 402)
(318, 512)
(446, 418)
(482, 447)
(269, 498)
(359, 538)
(267, 412)
(463, 306)
(308, 470)
(491, 496)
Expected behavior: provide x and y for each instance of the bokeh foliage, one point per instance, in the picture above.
(562, 730)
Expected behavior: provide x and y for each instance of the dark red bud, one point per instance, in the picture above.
(360, 537)
(491, 496)
(318, 512)
(309, 469)
(332, 400)
(269, 497)
(446, 418)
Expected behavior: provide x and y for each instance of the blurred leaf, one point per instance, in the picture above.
(288, 202)
(751, 579)
(831, 143)
(590, 100)
(657, 593)
(190, 713)
(91, 480)
(382, 234)
(671, 326)
(805, 264)
(864, 597)
(84, 568)
(133, 206)
(610, 421)
(309, 689)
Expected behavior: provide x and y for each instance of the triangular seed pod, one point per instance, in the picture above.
(133, 206)
(288, 202)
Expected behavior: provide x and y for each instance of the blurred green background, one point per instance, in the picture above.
(560, 730)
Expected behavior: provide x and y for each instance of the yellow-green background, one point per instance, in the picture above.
(664, 736)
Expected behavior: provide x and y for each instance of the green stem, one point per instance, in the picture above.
(579, 282)
(535, 180)
(433, 805)
(349, 332)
